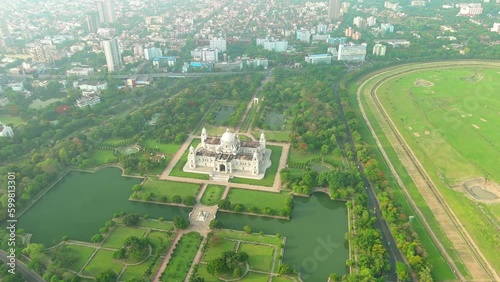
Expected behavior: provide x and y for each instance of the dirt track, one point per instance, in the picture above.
(467, 250)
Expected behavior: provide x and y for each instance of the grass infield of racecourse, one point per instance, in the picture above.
(447, 117)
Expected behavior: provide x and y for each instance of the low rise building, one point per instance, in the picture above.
(379, 50)
(93, 85)
(90, 101)
(319, 59)
(6, 131)
(79, 71)
(352, 52)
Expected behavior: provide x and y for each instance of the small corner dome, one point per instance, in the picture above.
(228, 137)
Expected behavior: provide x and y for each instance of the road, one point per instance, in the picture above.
(29, 275)
(381, 224)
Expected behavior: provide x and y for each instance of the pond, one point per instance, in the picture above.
(315, 244)
(224, 114)
(80, 203)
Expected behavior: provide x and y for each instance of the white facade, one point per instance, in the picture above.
(88, 101)
(113, 55)
(387, 27)
(379, 50)
(6, 131)
(218, 43)
(93, 86)
(80, 71)
(352, 53)
(228, 155)
(106, 10)
(319, 59)
(371, 21)
(205, 55)
(304, 35)
(496, 27)
(471, 9)
(150, 53)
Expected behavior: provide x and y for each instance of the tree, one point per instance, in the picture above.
(285, 269)
(176, 199)
(180, 222)
(189, 201)
(131, 220)
(97, 238)
(215, 223)
(107, 276)
(224, 204)
(247, 229)
(324, 151)
(402, 271)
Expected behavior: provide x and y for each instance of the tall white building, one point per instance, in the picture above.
(113, 55)
(272, 45)
(92, 22)
(218, 43)
(359, 22)
(106, 10)
(387, 27)
(333, 10)
(371, 21)
(379, 49)
(496, 27)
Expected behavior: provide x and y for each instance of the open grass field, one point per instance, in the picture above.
(301, 156)
(83, 254)
(255, 277)
(259, 199)
(216, 248)
(100, 157)
(169, 188)
(102, 261)
(8, 119)
(203, 273)
(119, 234)
(135, 271)
(182, 256)
(115, 141)
(260, 256)
(157, 238)
(164, 148)
(268, 179)
(212, 195)
(444, 116)
(450, 125)
(282, 279)
(156, 224)
(177, 170)
(276, 136)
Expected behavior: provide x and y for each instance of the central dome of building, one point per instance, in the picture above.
(228, 137)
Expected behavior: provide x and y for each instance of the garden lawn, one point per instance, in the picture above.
(100, 157)
(282, 279)
(260, 256)
(136, 271)
(255, 277)
(168, 188)
(182, 257)
(240, 235)
(168, 148)
(83, 254)
(156, 224)
(216, 247)
(203, 273)
(177, 170)
(212, 195)
(120, 233)
(116, 141)
(259, 199)
(102, 261)
(268, 179)
(155, 237)
(7, 119)
(275, 120)
(300, 156)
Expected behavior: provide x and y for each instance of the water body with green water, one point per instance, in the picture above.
(315, 244)
(80, 204)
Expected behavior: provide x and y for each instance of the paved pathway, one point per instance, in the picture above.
(226, 192)
(163, 265)
(250, 104)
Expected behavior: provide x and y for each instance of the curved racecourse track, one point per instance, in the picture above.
(467, 250)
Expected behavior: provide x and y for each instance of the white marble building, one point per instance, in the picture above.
(227, 156)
